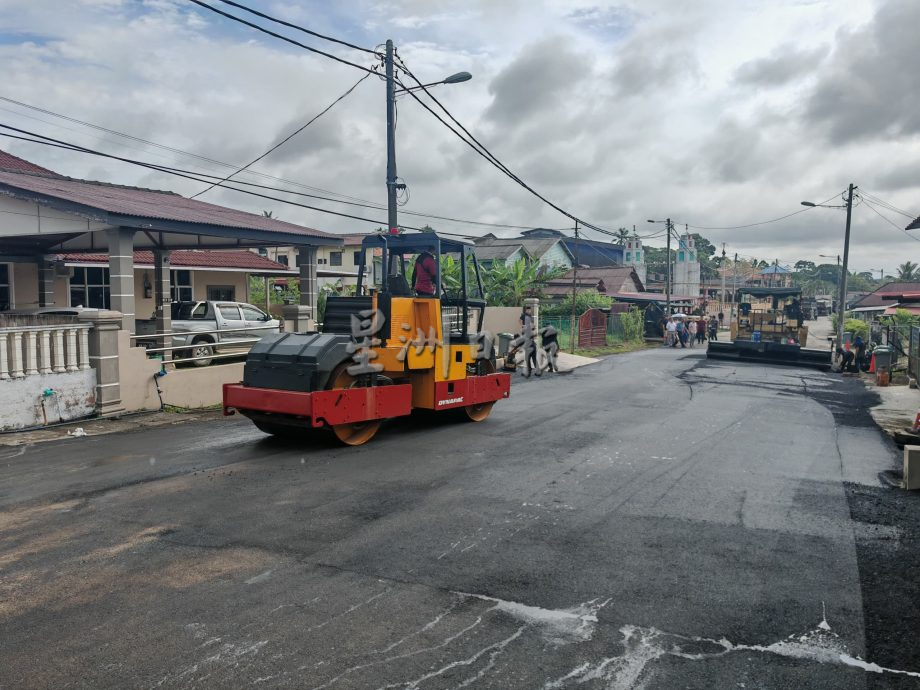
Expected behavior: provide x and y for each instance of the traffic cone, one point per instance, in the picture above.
(872, 367)
(916, 426)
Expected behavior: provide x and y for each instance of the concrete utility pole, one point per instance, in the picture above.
(391, 140)
(734, 283)
(722, 299)
(573, 324)
(667, 283)
(841, 307)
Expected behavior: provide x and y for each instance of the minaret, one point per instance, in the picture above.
(687, 267)
(634, 256)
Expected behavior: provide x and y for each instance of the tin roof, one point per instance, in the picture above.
(10, 162)
(145, 203)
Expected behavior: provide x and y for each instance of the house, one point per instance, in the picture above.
(609, 280)
(45, 215)
(774, 276)
(583, 251)
(490, 254)
(886, 299)
(550, 252)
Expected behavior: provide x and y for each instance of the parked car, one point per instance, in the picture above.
(210, 327)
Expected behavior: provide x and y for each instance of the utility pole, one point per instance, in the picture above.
(391, 141)
(667, 284)
(572, 329)
(734, 283)
(722, 299)
(841, 307)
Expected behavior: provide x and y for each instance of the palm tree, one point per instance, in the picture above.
(508, 285)
(908, 271)
(622, 235)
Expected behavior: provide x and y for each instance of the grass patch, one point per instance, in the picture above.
(614, 349)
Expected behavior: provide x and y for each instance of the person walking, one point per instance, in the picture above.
(713, 328)
(672, 333)
(681, 330)
(701, 330)
(527, 340)
(693, 334)
(721, 320)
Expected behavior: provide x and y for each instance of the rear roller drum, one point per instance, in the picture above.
(356, 433)
(477, 413)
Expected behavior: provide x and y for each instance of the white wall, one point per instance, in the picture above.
(24, 404)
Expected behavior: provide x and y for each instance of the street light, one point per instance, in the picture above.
(452, 79)
(842, 299)
(392, 185)
(667, 281)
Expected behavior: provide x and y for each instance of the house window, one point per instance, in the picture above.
(357, 258)
(89, 288)
(180, 285)
(638, 256)
(680, 256)
(628, 256)
(335, 258)
(5, 292)
(283, 259)
(691, 257)
(221, 293)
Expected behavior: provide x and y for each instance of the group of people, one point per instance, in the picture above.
(688, 331)
(853, 360)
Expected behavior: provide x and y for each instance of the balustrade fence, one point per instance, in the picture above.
(45, 349)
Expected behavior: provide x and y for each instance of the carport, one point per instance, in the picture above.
(45, 214)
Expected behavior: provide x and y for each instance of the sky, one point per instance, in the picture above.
(714, 113)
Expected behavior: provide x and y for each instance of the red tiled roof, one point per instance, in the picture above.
(148, 203)
(886, 294)
(10, 162)
(186, 258)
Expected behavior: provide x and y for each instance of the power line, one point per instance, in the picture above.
(482, 150)
(356, 201)
(73, 147)
(298, 28)
(287, 138)
(280, 37)
(763, 222)
(886, 205)
(890, 222)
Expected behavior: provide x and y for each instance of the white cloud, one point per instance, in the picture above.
(710, 112)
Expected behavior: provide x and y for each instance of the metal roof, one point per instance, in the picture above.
(148, 207)
(14, 163)
(181, 258)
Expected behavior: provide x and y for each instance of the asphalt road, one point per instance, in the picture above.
(654, 520)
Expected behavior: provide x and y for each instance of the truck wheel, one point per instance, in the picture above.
(201, 348)
(356, 433)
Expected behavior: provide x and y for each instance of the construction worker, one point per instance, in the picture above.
(424, 274)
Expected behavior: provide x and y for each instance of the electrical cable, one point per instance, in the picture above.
(764, 222)
(287, 138)
(891, 222)
(356, 201)
(66, 145)
(481, 149)
(297, 27)
(886, 205)
(279, 36)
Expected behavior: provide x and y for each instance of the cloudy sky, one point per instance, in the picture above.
(716, 113)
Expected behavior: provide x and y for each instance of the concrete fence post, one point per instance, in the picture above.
(103, 357)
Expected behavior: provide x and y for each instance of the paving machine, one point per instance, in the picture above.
(389, 349)
(769, 328)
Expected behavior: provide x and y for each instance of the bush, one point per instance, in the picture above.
(633, 323)
(585, 300)
(856, 327)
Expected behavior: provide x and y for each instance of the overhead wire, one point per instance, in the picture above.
(763, 222)
(287, 138)
(298, 28)
(886, 205)
(41, 139)
(902, 231)
(280, 36)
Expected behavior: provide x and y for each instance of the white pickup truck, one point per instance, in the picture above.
(209, 327)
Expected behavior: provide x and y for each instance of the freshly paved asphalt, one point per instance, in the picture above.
(652, 520)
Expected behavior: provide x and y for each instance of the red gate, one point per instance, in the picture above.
(592, 329)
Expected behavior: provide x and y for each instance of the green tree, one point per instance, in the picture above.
(622, 235)
(803, 266)
(907, 271)
(507, 285)
(584, 300)
(633, 323)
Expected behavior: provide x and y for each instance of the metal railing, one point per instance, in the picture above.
(242, 344)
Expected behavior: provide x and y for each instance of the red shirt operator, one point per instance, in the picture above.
(426, 269)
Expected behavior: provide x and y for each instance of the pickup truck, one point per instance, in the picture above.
(209, 327)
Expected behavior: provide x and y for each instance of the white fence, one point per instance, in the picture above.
(34, 350)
